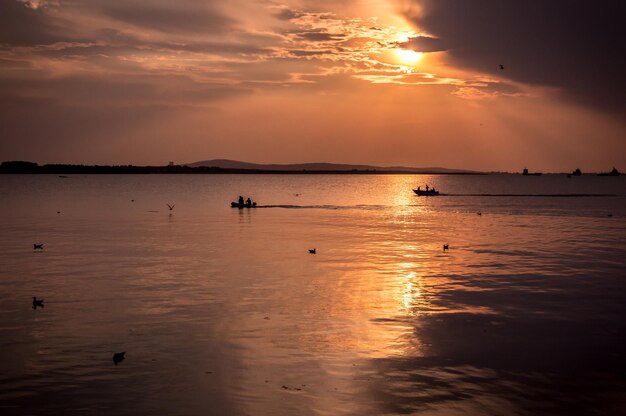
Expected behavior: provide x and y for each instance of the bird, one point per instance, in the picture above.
(445, 247)
(171, 207)
(501, 66)
(312, 250)
(610, 215)
(118, 357)
(38, 246)
(37, 302)
(58, 212)
(479, 213)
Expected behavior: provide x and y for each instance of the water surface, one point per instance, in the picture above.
(224, 311)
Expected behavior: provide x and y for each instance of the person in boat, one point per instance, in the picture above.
(240, 200)
(418, 189)
(426, 187)
(248, 202)
(433, 189)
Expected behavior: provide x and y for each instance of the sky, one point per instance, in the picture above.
(487, 85)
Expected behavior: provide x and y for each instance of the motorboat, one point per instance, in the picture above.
(423, 192)
(241, 206)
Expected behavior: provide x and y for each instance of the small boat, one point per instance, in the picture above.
(422, 192)
(241, 206)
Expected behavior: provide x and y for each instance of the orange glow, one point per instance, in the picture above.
(408, 57)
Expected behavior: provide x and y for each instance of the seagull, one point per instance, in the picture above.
(312, 250)
(38, 246)
(37, 302)
(501, 66)
(445, 247)
(171, 207)
(118, 357)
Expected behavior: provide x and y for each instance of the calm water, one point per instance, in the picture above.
(224, 312)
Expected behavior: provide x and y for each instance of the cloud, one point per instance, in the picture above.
(21, 24)
(576, 46)
(181, 16)
(319, 36)
(423, 44)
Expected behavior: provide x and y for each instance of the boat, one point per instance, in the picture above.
(526, 173)
(422, 192)
(241, 206)
(614, 172)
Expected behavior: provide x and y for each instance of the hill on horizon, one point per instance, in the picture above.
(319, 166)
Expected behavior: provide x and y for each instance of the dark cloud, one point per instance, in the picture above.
(297, 52)
(169, 16)
(24, 25)
(319, 36)
(423, 44)
(574, 45)
(288, 14)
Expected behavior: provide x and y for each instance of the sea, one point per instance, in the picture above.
(224, 311)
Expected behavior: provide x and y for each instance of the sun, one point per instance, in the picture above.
(408, 57)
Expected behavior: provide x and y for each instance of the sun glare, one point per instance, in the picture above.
(408, 57)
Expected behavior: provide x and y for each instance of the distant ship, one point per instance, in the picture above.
(614, 172)
(526, 173)
(577, 172)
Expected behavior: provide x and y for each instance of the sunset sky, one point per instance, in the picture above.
(383, 82)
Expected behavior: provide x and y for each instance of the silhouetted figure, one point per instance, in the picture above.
(445, 247)
(248, 202)
(37, 302)
(426, 187)
(418, 188)
(38, 246)
(118, 357)
(240, 200)
(501, 67)
(312, 251)
(171, 207)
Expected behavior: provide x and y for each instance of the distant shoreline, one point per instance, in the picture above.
(62, 169)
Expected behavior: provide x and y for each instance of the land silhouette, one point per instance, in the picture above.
(217, 166)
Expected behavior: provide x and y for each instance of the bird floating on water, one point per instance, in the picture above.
(312, 250)
(171, 207)
(479, 213)
(38, 246)
(118, 357)
(37, 302)
(445, 247)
